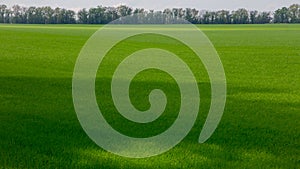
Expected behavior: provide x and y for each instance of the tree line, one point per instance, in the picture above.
(104, 15)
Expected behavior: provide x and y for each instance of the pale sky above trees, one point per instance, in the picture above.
(261, 5)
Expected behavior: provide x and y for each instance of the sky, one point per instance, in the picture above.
(261, 5)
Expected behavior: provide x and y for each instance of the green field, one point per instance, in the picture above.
(260, 127)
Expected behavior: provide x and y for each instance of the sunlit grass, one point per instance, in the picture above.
(260, 127)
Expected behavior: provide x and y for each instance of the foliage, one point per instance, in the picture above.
(104, 15)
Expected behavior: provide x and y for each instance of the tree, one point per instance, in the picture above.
(104, 15)
(83, 16)
(294, 13)
(168, 15)
(263, 18)
(39, 16)
(96, 15)
(212, 18)
(222, 17)
(16, 14)
(124, 10)
(281, 15)
(253, 16)
(8, 16)
(241, 16)
(139, 11)
(47, 15)
(31, 14)
(111, 14)
(167, 11)
(191, 15)
(70, 17)
(2, 13)
(181, 13)
(205, 17)
(188, 14)
(57, 18)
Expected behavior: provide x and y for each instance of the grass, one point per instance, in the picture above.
(259, 129)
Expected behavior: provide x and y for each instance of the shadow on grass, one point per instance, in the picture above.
(39, 129)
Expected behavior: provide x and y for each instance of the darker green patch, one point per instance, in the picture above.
(144, 83)
(260, 127)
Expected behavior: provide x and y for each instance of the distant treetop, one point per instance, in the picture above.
(104, 15)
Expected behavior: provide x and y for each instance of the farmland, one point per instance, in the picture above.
(260, 127)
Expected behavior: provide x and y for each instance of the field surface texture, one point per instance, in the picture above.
(259, 129)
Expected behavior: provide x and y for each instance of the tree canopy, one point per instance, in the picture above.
(104, 15)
